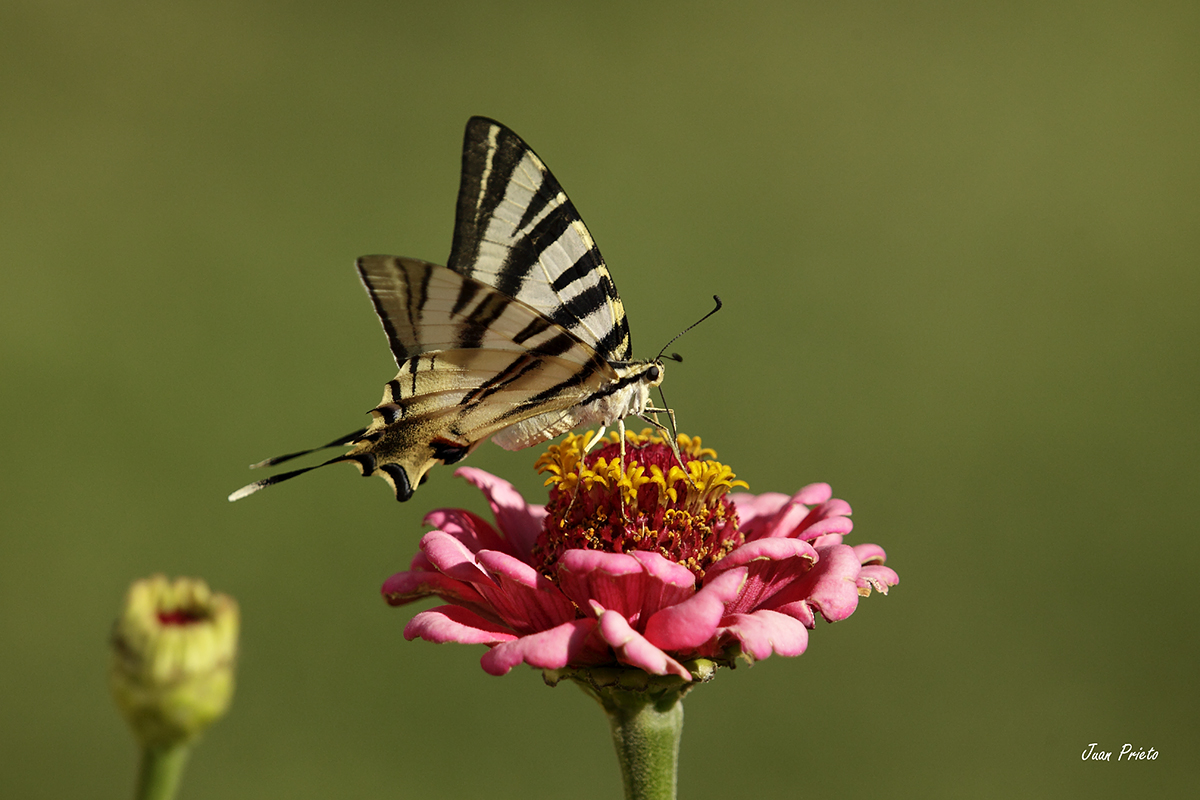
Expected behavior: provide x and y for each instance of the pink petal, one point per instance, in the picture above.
(817, 522)
(513, 570)
(765, 632)
(809, 496)
(455, 624)
(572, 642)
(772, 549)
(793, 518)
(828, 525)
(668, 583)
(406, 587)
(633, 649)
(691, 623)
(520, 522)
(877, 577)
(470, 529)
(813, 494)
(869, 554)
(635, 585)
(830, 587)
(825, 540)
(773, 564)
(421, 562)
(800, 611)
(587, 575)
(752, 508)
(521, 596)
(783, 523)
(452, 557)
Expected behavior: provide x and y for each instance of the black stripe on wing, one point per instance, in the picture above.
(517, 231)
(476, 326)
(527, 249)
(398, 291)
(487, 168)
(425, 308)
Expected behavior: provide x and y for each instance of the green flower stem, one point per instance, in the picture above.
(646, 734)
(161, 771)
(645, 714)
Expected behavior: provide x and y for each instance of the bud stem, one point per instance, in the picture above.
(161, 770)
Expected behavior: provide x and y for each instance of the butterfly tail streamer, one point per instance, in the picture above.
(400, 456)
(338, 442)
(251, 488)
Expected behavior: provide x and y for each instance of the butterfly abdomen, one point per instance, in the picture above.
(604, 400)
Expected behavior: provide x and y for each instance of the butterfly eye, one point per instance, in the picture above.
(654, 374)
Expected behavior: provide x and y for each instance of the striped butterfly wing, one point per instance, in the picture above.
(521, 339)
(517, 230)
(468, 351)
(472, 363)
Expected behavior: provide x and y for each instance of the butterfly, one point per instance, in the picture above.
(522, 337)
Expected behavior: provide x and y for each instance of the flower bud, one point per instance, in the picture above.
(173, 654)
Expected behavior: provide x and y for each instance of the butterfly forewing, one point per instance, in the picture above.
(518, 231)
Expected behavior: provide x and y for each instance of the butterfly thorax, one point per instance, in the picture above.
(627, 396)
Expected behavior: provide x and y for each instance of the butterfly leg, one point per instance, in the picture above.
(592, 442)
(670, 412)
(670, 435)
(595, 439)
(621, 434)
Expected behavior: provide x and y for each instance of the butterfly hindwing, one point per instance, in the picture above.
(473, 363)
(427, 308)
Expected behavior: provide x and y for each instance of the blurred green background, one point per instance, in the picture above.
(958, 249)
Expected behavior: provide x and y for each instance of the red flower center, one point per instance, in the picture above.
(649, 503)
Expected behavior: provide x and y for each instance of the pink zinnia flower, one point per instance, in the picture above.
(647, 566)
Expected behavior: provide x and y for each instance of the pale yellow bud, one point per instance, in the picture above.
(173, 654)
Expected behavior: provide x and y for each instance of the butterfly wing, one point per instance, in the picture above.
(516, 230)
(522, 338)
(473, 362)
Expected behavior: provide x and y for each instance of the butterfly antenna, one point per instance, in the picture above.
(685, 330)
(673, 440)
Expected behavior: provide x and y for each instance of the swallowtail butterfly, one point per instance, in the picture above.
(521, 338)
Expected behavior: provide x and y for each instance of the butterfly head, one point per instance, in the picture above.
(654, 373)
(643, 374)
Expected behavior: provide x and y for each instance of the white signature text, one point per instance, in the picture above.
(1128, 753)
